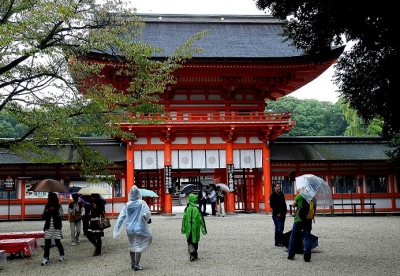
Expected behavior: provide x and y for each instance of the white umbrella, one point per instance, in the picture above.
(311, 186)
(94, 190)
(223, 187)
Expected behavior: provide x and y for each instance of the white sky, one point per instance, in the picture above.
(321, 89)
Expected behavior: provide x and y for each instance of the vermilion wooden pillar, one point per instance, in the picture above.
(167, 162)
(130, 168)
(266, 164)
(230, 208)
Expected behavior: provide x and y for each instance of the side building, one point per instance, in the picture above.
(356, 168)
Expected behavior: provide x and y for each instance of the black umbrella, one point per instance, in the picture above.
(188, 188)
(74, 189)
(299, 241)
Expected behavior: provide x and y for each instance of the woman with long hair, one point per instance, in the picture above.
(52, 214)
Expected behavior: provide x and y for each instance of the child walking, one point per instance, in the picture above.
(192, 223)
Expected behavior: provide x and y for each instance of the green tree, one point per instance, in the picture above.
(356, 126)
(312, 117)
(366, 75)
(45, 52)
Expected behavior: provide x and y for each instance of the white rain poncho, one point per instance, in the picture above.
(135, 216)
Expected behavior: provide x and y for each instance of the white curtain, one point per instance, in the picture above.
(247, 159)
(149, 159)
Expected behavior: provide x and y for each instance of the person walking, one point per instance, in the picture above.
(76, 212)
(213, 200)
(97, 214)
(299, 225)
(202, 199)
(279, 210)
(220, 202)
(52, 214)
(87, 205)
(192, 224)
(136, 216)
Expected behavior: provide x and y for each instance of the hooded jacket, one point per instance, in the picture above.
(135, 216)
(193, 221)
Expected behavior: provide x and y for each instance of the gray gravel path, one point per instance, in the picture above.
(239, 244)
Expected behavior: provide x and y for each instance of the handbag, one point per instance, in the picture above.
(103, 224)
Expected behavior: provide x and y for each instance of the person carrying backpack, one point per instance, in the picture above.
(301, 223)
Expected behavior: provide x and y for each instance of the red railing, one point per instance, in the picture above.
(214, 118)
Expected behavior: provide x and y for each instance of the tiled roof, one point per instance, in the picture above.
(284, 149)
(229, 36)
(329, 149)
(111, 149)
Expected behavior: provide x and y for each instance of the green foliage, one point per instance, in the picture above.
(366, 75)
(356, 126)
(46, 53)
(312, 117)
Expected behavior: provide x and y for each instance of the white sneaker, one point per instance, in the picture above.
(45, 261)
(61, 259)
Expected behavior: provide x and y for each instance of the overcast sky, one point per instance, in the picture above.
(321, 89)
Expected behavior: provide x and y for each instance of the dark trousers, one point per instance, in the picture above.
(296, 231)
(213, 208)
(47, 245)
(203, 205)
(192, 247)
(279, 223)
(85, 224)
(95, 239)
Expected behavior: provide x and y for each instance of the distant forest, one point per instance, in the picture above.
(312, 117)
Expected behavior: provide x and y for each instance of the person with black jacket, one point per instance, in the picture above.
(94, 232)
(52, 215)
(279, 209)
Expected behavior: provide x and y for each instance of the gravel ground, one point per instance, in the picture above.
(240, 244)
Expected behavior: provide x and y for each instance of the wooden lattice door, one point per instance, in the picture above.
(151, 180)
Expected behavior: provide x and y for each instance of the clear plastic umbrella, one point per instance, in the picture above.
(311, 186)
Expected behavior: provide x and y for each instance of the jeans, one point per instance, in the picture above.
(213, 208)
(75, 227)
(296, 234)
(279, 223)
(202, 205)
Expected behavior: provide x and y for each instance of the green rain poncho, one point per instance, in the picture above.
(192, 221)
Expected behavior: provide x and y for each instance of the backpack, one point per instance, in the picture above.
(307, 210)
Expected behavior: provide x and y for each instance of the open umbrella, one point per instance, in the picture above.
(94, 190)
(223, 187)
(49, 185)
(74, 189)
(311, 186)
(188, 188)
(149, 193)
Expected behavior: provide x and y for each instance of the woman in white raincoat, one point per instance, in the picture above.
(136, 217)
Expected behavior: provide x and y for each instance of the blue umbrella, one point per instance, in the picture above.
(149, 193)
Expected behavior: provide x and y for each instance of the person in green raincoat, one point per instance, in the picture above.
(192, 223)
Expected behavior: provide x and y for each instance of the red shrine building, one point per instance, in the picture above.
(218, 129)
